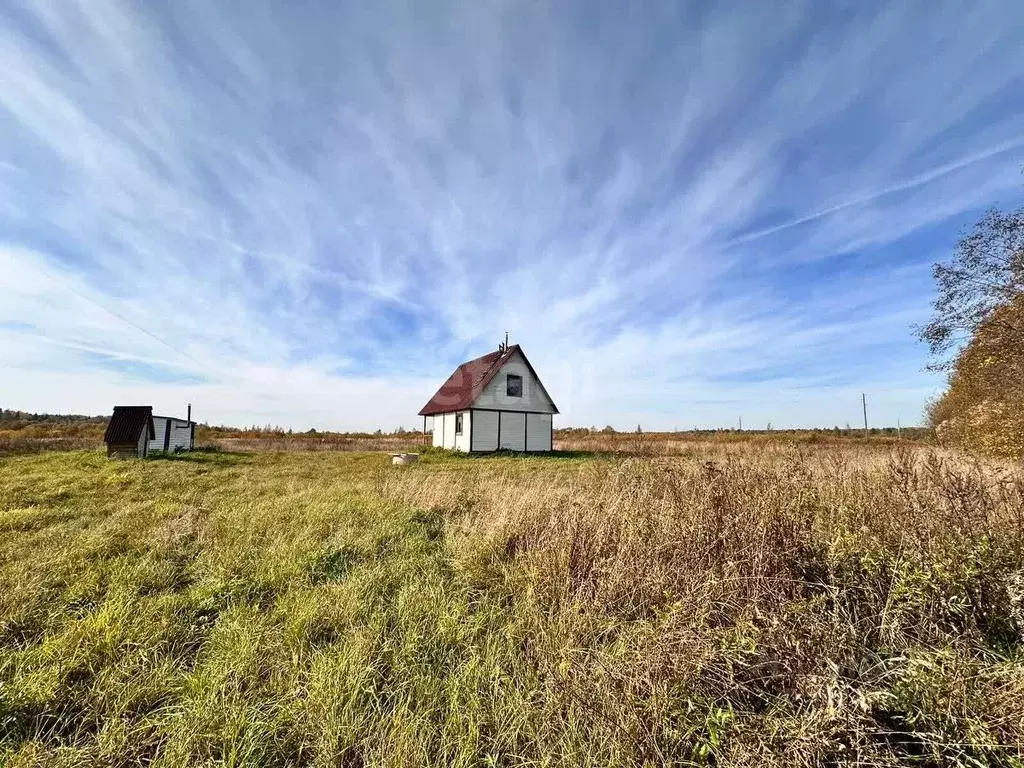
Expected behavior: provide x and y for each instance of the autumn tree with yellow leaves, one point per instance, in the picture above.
(979, 316)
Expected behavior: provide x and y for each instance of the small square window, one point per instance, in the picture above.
(514, 385)
(458, 423)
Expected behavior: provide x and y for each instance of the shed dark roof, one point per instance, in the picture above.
(464, 386)
(127, 423)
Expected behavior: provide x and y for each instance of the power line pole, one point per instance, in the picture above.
(741, 423)
(864, 405)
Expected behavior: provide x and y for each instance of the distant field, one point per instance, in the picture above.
(37, 433)
(722, 602)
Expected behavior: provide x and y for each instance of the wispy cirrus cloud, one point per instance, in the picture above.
(306, 216)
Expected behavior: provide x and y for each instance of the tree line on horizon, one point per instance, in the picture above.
(52, 426)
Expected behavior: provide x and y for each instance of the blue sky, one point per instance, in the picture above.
(307, 213)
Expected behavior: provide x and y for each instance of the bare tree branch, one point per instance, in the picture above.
(985, 273)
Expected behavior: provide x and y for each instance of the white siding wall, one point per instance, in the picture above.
(449, 430)
(482, 426)
(494, 394)
(462, 441)
(513, 431)
(181, 434)
(485, 430)
(538, 431)
(159, 427)
(444, 432)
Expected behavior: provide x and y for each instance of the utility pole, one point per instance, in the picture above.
(741, 423)
(864, 405)
(899, 431)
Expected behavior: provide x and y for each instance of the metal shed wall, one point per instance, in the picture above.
(172, 434)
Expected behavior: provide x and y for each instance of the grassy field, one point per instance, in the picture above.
(733, 603)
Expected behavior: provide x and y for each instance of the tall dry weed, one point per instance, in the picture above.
(772, 605)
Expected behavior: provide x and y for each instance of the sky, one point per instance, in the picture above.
(307, 214)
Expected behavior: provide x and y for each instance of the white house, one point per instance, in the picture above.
(495, 402)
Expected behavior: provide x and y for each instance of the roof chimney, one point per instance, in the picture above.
(190, 413)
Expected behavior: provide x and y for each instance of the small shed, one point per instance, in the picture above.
(129, 432)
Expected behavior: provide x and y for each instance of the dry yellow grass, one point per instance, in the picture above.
(736, 604)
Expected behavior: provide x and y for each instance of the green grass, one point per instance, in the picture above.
(328, 609)
(243, 610)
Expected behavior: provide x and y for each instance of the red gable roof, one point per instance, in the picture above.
(468, 381)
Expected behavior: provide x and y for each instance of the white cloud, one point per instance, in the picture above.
(311, 214)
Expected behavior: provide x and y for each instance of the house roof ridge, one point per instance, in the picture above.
(468, 380)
